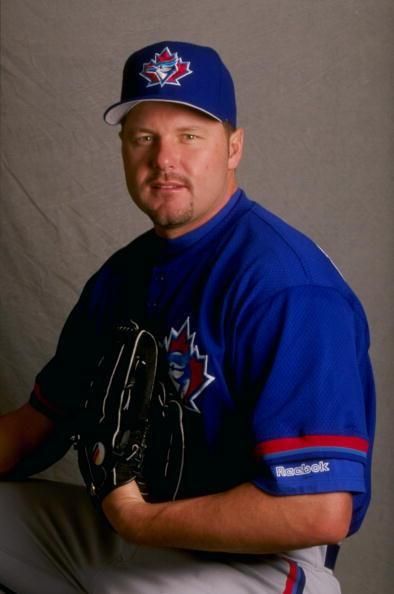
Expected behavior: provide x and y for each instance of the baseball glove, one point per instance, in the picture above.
(131, 424)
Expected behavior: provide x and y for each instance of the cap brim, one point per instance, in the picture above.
(116, 112)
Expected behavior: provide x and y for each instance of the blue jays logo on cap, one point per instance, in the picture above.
(165, 69)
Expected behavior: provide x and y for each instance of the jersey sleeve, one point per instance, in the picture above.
(311, 389)
(63, 382)
(59, 385)
(114, 294)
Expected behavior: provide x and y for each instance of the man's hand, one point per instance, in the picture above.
(125, 506)
(126, 494)
(241, 520)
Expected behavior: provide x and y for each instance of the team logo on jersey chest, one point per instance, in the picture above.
(165, 68)
(188, 368)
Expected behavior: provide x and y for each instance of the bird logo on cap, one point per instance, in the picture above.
(165, 68)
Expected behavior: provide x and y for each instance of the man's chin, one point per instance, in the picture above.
(172, 227)
(171, 220)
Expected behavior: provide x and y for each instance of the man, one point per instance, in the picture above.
(265, 344)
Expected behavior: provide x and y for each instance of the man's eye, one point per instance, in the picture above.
(144, 139)
(190, 136)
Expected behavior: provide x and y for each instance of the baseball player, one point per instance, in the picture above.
(214, 374)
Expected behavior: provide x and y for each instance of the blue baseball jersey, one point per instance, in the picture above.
(264, 341)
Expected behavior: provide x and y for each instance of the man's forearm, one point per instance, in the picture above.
(21, 431)
(11, 448)
(242, 520)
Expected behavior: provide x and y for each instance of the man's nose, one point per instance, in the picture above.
(165, 154)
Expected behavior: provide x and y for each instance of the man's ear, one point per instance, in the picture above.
(235, 145)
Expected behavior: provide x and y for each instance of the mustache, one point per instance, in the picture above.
(168, 178)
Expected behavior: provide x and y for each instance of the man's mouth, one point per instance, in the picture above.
(167, 185)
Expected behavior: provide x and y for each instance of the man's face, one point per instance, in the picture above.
(179, 164)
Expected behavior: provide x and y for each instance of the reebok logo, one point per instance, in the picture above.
(303, 469)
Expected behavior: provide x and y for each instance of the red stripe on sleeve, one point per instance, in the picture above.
(310, 441)
(46, 403)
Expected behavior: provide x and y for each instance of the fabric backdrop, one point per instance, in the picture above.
(315, 92)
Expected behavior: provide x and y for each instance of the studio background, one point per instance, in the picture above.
(315, 86)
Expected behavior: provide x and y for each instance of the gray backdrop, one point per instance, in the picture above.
(315, 92)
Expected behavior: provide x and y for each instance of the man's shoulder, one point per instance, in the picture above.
(265, 257)
(263, 241)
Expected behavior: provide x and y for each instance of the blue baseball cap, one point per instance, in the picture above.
(176, 72)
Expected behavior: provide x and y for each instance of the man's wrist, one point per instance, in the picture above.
(127, 512)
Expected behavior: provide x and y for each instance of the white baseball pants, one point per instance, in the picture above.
(53, 541)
